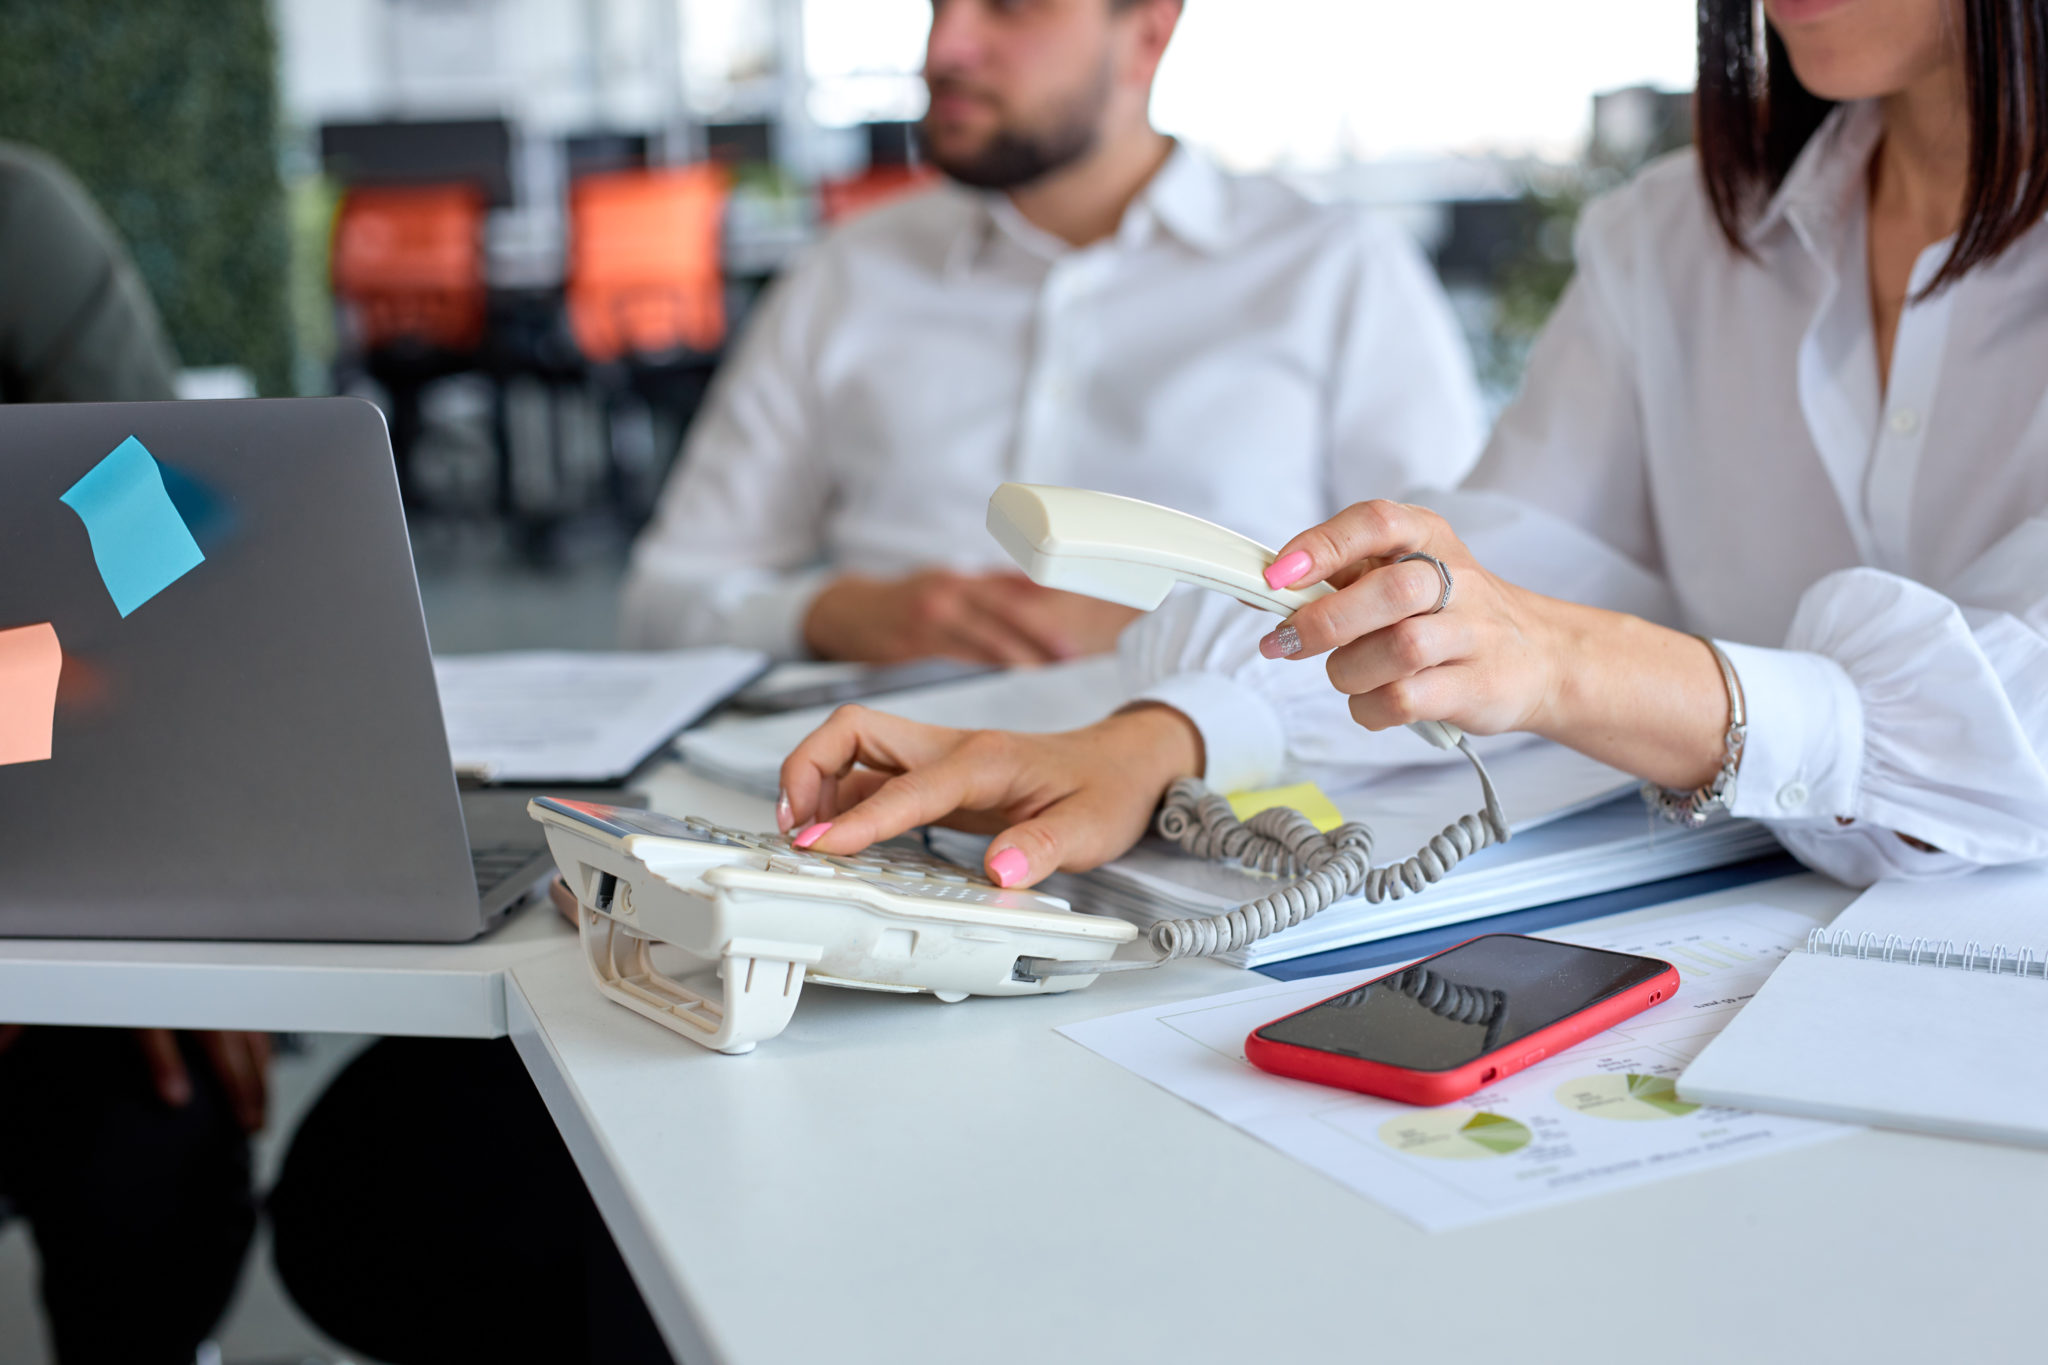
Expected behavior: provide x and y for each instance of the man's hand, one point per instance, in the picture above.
(1000, 617)
(241, 1060)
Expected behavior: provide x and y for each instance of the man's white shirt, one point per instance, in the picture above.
(1233, 350)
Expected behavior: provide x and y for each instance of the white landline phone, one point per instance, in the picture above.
(753, 917)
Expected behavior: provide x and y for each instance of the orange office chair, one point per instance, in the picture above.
(839, 200)
(407, 265)
(644, 275)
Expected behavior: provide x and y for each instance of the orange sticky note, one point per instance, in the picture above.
(30, 661)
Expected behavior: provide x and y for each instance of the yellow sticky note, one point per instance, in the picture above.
(1305, 797)
(30, 661)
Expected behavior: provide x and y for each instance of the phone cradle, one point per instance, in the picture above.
(751, 919)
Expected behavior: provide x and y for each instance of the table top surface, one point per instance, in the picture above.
(897, 1179)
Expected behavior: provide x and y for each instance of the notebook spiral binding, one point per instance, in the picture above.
(1929, 952)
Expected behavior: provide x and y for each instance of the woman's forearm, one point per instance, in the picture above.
(1642, 697)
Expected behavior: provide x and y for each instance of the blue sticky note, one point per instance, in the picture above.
(138, 539)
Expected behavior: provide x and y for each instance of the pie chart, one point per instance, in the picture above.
(1455, 1134)
(1629, 1096)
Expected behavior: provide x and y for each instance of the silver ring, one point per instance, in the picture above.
(1442, 572)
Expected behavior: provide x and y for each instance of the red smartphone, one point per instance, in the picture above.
(1438, 1029)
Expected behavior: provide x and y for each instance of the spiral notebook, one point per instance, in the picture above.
(1924, 1006)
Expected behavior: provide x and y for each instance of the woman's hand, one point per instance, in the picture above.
(1059, 802)
(1487, 663)
(1639, 696)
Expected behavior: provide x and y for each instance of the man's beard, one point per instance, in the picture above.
(1018, 156)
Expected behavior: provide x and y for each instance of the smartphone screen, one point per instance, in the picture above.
(1452, 1009)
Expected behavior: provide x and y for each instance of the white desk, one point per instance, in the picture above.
(897, 1180)
(447, 990)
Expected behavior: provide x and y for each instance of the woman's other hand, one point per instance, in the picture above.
(1055, 802)
(1631, 693)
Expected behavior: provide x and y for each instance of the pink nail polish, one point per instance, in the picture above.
(1008, 867)
(784, 816)
(1287, 570)
(810, 834)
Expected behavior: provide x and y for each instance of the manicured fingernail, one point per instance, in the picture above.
(784, 816)
(810, 834)
(1281, 643)
(1287, 570)
(177, 1091)
(1008, 867)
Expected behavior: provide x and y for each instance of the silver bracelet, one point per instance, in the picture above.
(1692, 808)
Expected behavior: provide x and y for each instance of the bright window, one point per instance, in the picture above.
(1316, 83)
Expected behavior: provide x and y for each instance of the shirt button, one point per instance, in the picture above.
(1905, 421)
(1792, 796)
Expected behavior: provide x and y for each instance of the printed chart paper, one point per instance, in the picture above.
(1602, 1116)
(30, 662)
(139, 541)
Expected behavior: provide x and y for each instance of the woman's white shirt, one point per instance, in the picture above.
(1702, 438)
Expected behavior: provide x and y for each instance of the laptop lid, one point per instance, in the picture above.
(246, 740)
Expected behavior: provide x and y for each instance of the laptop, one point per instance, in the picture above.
(255, 749)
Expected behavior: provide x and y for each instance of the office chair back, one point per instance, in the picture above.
(645, 276)
(839, 200)
(408, 265)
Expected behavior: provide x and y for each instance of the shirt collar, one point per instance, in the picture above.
(1187, 196)
(1825, 180)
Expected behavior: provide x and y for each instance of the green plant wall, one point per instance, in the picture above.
(167, 111)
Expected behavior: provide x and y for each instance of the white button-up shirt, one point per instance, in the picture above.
(1232, 350)
(1703, 439)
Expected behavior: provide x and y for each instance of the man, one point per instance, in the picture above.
(1088, 303)
(127, 1152)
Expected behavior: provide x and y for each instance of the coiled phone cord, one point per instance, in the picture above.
(1328, 867)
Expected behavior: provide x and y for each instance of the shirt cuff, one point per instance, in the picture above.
(1243, 741)
(1803, 757)
(771, 618)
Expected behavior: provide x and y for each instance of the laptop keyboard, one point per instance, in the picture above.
(493, 865)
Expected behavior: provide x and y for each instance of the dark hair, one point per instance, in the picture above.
(1753, 118)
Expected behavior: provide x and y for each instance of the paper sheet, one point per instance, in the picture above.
(30, 663)
(139, 541)
(563, 716)
(1597, 1118)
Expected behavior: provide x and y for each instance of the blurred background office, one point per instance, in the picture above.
(530, 229)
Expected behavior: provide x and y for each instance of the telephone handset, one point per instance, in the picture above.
(1134, 553)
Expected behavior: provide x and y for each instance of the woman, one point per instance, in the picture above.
(1793, 402)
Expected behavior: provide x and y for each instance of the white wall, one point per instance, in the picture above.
(551, 66)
